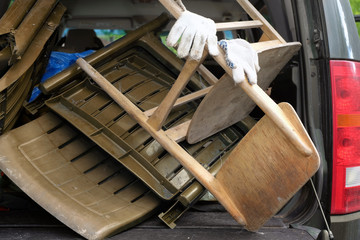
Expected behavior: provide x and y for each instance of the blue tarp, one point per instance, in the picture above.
(58, 61)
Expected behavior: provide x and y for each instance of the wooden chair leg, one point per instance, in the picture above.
(161, 113)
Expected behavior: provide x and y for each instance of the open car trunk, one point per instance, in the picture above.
(204, 220)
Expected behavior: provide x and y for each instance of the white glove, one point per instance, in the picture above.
(195, 31)
(241, 58)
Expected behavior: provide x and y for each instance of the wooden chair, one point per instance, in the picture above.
(224, 103)
(253, 184)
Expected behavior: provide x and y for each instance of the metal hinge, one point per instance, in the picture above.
(318, 37)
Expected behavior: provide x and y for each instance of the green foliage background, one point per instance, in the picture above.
(355, 5)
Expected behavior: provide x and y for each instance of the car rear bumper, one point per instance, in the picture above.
(198, 223)
(346, 226)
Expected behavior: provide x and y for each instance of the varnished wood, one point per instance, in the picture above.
(269, 166)
(228, 103)
(161, 113)
(261, 46)
(172, 7)
(201, 174)
(155, 44)
(264, 38)
(255, 15)
(178, 133)
(265, 170)
(298, 143)
(238, 25)
(266, 104)
(183, 100)
(251, 185)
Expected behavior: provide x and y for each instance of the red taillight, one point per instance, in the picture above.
(345, 80)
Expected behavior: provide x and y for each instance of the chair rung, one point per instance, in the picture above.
(266, 44)
(238, 25)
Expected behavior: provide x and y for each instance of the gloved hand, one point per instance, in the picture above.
(195, 31)
(241, 58)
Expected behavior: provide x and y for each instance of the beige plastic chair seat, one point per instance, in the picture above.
(73, 179)
(145, 83)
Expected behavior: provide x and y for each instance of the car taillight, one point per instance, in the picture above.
(345, 80)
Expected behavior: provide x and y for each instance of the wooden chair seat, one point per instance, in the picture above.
(227, 103)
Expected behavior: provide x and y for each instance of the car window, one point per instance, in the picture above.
(355, 5)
